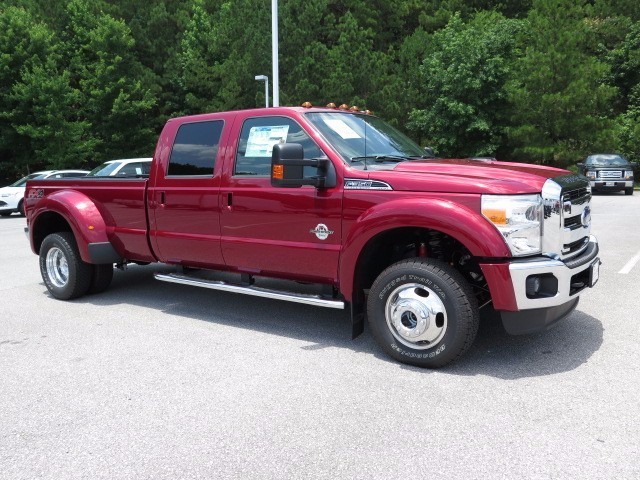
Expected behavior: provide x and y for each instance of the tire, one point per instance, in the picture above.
(21, 208)
(64, 273)
(628, 191)
(5, 214)
(100, 278)
(449, 320)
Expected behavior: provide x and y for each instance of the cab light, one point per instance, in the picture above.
(91, 227)
(344, 106)
(307, 105)
(354, 109)
(331, 105)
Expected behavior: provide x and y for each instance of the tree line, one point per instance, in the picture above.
(544, 81)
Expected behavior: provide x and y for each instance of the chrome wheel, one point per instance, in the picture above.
(57, 267)
(416, 316)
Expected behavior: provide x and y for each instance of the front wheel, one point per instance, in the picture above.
(64, 273)
(628, 191)
(21, 208)
(422, 312)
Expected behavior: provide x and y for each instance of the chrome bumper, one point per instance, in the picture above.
(569, 275)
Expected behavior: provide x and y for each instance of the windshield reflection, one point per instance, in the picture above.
(358, 138)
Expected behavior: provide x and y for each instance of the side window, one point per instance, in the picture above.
(135, 169)
(195, 148)
(258, 137)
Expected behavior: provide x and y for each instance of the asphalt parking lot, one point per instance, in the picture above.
(151, 380)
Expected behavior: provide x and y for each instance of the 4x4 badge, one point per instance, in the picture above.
(321, 231)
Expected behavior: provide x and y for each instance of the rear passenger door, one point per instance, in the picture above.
(184, 210)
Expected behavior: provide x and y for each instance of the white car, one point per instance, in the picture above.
(11, 197)
(126, 167)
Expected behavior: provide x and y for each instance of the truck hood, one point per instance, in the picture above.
(467, 176)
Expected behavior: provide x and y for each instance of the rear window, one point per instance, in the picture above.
(195, 149)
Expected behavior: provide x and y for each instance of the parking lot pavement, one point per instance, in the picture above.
(156, 380)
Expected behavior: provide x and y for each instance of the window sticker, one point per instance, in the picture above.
(262, 139)
(341, 128)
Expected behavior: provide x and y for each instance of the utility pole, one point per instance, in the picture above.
(274, 52)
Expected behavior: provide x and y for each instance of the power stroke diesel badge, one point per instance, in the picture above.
(321, 231)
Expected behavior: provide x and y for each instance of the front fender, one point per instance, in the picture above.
(458, 221)
(79, 212)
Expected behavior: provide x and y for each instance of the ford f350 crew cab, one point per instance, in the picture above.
(341, 200)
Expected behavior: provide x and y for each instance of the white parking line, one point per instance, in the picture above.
(630, 264)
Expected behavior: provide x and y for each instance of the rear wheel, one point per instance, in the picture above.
(64, 273)
(628, 191)
(101, 278)
(422, 312)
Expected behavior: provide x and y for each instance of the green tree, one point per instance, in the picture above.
(39, 125)
(560, 102)
(463, 98)
(115, 99)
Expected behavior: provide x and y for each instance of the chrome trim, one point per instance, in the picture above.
(565, 197)
(519, 272)
(315, 300)
(362, 184)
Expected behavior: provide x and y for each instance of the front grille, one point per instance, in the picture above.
(576, 194)
(573, 222)
(566, 205)
(609, 174)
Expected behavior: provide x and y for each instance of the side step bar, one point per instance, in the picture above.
(316, 300)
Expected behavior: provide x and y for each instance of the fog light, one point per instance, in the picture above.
(533, 285)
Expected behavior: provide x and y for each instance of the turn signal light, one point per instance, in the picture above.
(278, 172)
(496, 215)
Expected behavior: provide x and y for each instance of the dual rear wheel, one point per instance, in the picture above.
(65, 274)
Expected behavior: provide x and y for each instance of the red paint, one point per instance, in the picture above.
(243, 224)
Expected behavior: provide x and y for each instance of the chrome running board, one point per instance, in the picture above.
(307, 299)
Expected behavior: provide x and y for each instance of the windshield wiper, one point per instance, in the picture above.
(381, 158)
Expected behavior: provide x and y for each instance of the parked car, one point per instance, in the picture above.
(11, 196)
(608, 172)
(126, 167)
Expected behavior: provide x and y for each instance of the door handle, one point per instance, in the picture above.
(227, 200)
(162, 198)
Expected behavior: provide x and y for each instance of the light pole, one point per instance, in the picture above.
(274, 52)
(265, 79)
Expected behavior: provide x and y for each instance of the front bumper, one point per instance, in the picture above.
(526, 310)
(565, 280)
(617, 184)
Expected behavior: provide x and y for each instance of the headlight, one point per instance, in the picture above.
(591, 175)
(628, 174)
(518, 218)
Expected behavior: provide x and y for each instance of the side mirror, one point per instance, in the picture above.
(429, 152)
(287, 168)
(580, 165)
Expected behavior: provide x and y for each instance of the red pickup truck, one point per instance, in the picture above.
(341, 200)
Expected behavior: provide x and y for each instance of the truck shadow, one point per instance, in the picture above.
(494, 353)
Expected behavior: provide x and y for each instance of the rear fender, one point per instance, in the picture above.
(458, 221)
(83, 218)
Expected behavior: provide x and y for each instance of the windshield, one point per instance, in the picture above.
(23, 181)
(607, 160)
(359, 138)
(103, 170)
